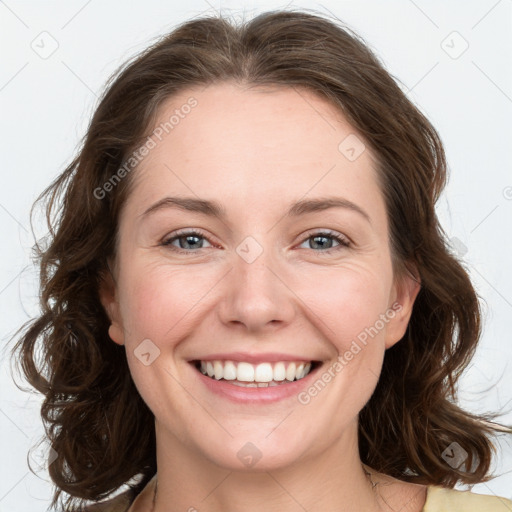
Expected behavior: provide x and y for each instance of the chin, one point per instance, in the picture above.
(255, 454)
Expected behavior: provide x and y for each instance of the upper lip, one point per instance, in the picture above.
(252, 358)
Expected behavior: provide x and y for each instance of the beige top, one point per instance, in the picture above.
(439, 499)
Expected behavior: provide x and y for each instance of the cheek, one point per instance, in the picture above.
(352, 314)
(347, 302)
(157, 301)
(158, 305)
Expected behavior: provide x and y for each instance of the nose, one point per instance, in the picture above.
(256, 296)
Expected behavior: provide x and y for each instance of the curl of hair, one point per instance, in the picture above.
(94, 417)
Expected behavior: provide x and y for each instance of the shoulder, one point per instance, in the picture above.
(441, 499)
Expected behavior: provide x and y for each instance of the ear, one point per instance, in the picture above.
(405, 291)
(108, 298)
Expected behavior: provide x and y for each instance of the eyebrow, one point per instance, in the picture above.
(214, 209)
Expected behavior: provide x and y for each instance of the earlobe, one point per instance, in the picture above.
(116, 333)
(407, 290)
(108, 298)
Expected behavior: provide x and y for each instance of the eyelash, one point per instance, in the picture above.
(343, 242)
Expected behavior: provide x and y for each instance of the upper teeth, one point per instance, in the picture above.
(263, 372)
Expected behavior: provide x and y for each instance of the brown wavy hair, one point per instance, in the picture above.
(94, 417)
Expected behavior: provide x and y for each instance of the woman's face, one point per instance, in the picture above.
(268, 278)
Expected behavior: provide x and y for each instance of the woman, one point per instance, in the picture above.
(248, 301)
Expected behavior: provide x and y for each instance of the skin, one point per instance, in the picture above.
(257, 151)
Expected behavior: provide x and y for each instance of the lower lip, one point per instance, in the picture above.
(256, 395)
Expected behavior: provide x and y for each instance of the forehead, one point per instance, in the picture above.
(254, 146)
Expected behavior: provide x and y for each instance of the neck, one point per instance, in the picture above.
(333, 479)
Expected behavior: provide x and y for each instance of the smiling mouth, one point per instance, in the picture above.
(262, 375)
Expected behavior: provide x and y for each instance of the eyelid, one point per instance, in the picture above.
(330, 232)
(343, 240)
(170, 237)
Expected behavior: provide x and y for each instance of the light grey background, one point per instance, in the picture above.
(46, 101)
